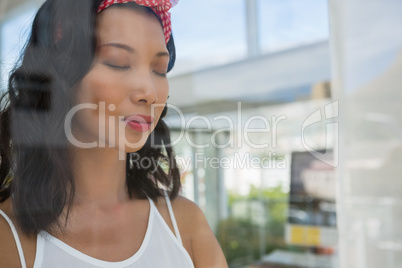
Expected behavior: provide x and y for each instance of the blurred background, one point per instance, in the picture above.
(286, 121)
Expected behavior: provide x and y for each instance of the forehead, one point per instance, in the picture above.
(131, 25)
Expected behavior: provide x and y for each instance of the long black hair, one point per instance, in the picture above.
(35, 166)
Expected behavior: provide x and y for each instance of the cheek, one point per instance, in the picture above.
(157, 111)
(96, 89)
(163, 94)
(162, 91)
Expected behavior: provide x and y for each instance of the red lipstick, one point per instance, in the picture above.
(139, 122)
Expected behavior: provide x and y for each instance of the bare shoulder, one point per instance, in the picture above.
(8, 250)
(189, 216)
(205, 248)
(188, 212)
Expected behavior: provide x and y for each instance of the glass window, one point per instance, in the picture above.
(14, 33)
(212, 33)
(290, 23)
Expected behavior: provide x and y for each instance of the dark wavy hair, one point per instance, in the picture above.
(35, 167)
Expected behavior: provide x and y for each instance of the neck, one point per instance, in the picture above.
(99, 176)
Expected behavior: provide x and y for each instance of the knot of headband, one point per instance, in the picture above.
(160, 7)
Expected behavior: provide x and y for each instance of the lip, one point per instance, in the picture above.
(139, 122)
(142, 118)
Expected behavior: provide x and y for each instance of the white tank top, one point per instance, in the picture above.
(160, 248)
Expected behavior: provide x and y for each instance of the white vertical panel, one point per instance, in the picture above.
(366, 40)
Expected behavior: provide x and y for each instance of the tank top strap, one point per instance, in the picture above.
(16, 238)
(172, 218)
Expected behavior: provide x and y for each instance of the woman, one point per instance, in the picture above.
(82, 109)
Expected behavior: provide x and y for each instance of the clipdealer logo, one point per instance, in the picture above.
(239, 131)
(330, 112)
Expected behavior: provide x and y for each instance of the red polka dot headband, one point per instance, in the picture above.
(160, 7)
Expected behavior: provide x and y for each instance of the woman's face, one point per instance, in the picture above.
(127, 81)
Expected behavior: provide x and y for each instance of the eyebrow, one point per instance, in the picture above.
(118, 45)
(131, 50)
(163, 54)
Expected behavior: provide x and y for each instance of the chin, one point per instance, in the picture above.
(131, 145)
(128, 149)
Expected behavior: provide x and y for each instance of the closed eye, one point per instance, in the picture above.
(160, 74)
(117, 67)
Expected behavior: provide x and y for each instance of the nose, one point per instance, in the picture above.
(144, 90)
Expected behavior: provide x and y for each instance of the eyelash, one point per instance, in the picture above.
(160, 74)
(128, 67)
(117, 67)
